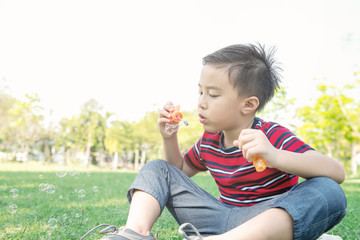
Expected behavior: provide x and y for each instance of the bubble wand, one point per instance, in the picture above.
(176, 117)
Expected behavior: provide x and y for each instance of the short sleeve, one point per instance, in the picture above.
(193, 157)
(282, 138)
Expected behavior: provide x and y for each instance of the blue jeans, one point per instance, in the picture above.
(316, 205)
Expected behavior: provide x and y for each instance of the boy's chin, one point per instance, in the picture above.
(210, 129)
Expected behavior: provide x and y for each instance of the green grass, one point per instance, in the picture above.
(76, 215)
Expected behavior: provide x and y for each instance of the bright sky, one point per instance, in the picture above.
(134, 56)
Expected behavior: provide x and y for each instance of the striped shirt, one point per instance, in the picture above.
(239, 183)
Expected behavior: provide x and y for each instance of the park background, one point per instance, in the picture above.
(81, 84)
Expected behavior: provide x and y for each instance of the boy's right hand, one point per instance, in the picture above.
(165, 118)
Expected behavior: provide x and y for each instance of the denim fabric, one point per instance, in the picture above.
(316, 205)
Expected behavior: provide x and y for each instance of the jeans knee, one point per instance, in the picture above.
(154, 165)
(332, 192)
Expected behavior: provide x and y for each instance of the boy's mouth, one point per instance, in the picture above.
(202, 118)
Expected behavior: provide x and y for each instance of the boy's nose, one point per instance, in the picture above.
(201, 103)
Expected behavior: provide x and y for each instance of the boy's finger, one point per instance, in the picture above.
(164, 113)
(169, 106)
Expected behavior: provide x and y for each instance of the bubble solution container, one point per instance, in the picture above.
(259, 163)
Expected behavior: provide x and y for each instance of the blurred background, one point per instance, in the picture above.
(81, 82)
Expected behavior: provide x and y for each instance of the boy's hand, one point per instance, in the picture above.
(254, 142)
(165, 118)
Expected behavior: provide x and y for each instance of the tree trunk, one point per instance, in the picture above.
(47, 151)
(143, 158)
(27, 150)
(66, 156)
(136, 166)
(87, 151)
(100, 158)
(115, 161)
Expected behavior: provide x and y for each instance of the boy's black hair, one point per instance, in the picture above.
(251, 70)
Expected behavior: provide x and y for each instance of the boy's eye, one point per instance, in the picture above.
(213, 95)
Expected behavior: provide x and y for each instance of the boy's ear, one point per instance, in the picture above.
(250, 105)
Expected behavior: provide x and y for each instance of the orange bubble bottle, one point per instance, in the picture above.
(259, 163)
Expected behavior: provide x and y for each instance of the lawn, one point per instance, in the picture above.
(43, 204)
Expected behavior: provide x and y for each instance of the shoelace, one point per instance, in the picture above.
(110, 228)
(183, 233)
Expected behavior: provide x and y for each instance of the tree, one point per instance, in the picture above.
(91, 126)
(25, 124)
(280, 109)
(147, 138)
(332, 124)
(7, 102)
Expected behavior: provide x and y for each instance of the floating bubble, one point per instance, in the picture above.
(82, 193)
(13, 208)
(14, 193)
(42, 187)
(50, 189)
(41, 176)
(72, 172)
(64, 216)
(61, 172)
(52, 222)
(61, 196)
(77, 215)
(95, 188)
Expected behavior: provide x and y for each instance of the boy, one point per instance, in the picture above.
(235, 83)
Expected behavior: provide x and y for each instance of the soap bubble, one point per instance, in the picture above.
(95, 188)
(64, 216)
(61, 172)
(82, 193)
(42, 187)
(72, 172)
(14, 193)
(41, 176)
(171, 128)
(13, 208)
(50, 189)
(52, 223)
(77, 215)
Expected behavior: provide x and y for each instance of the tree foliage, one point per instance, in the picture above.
(331, 125)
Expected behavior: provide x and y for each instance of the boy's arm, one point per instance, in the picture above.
(173, 155)
(172, 152)
(307, 165)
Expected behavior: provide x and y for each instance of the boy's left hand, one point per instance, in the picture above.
(254, 142)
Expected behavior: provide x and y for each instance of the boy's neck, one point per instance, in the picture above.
(231, 136)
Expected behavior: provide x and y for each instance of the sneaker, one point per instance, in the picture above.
(193, 228)
(329, 237)
(122, 233)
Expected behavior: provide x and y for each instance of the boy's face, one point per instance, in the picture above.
(219, 105)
